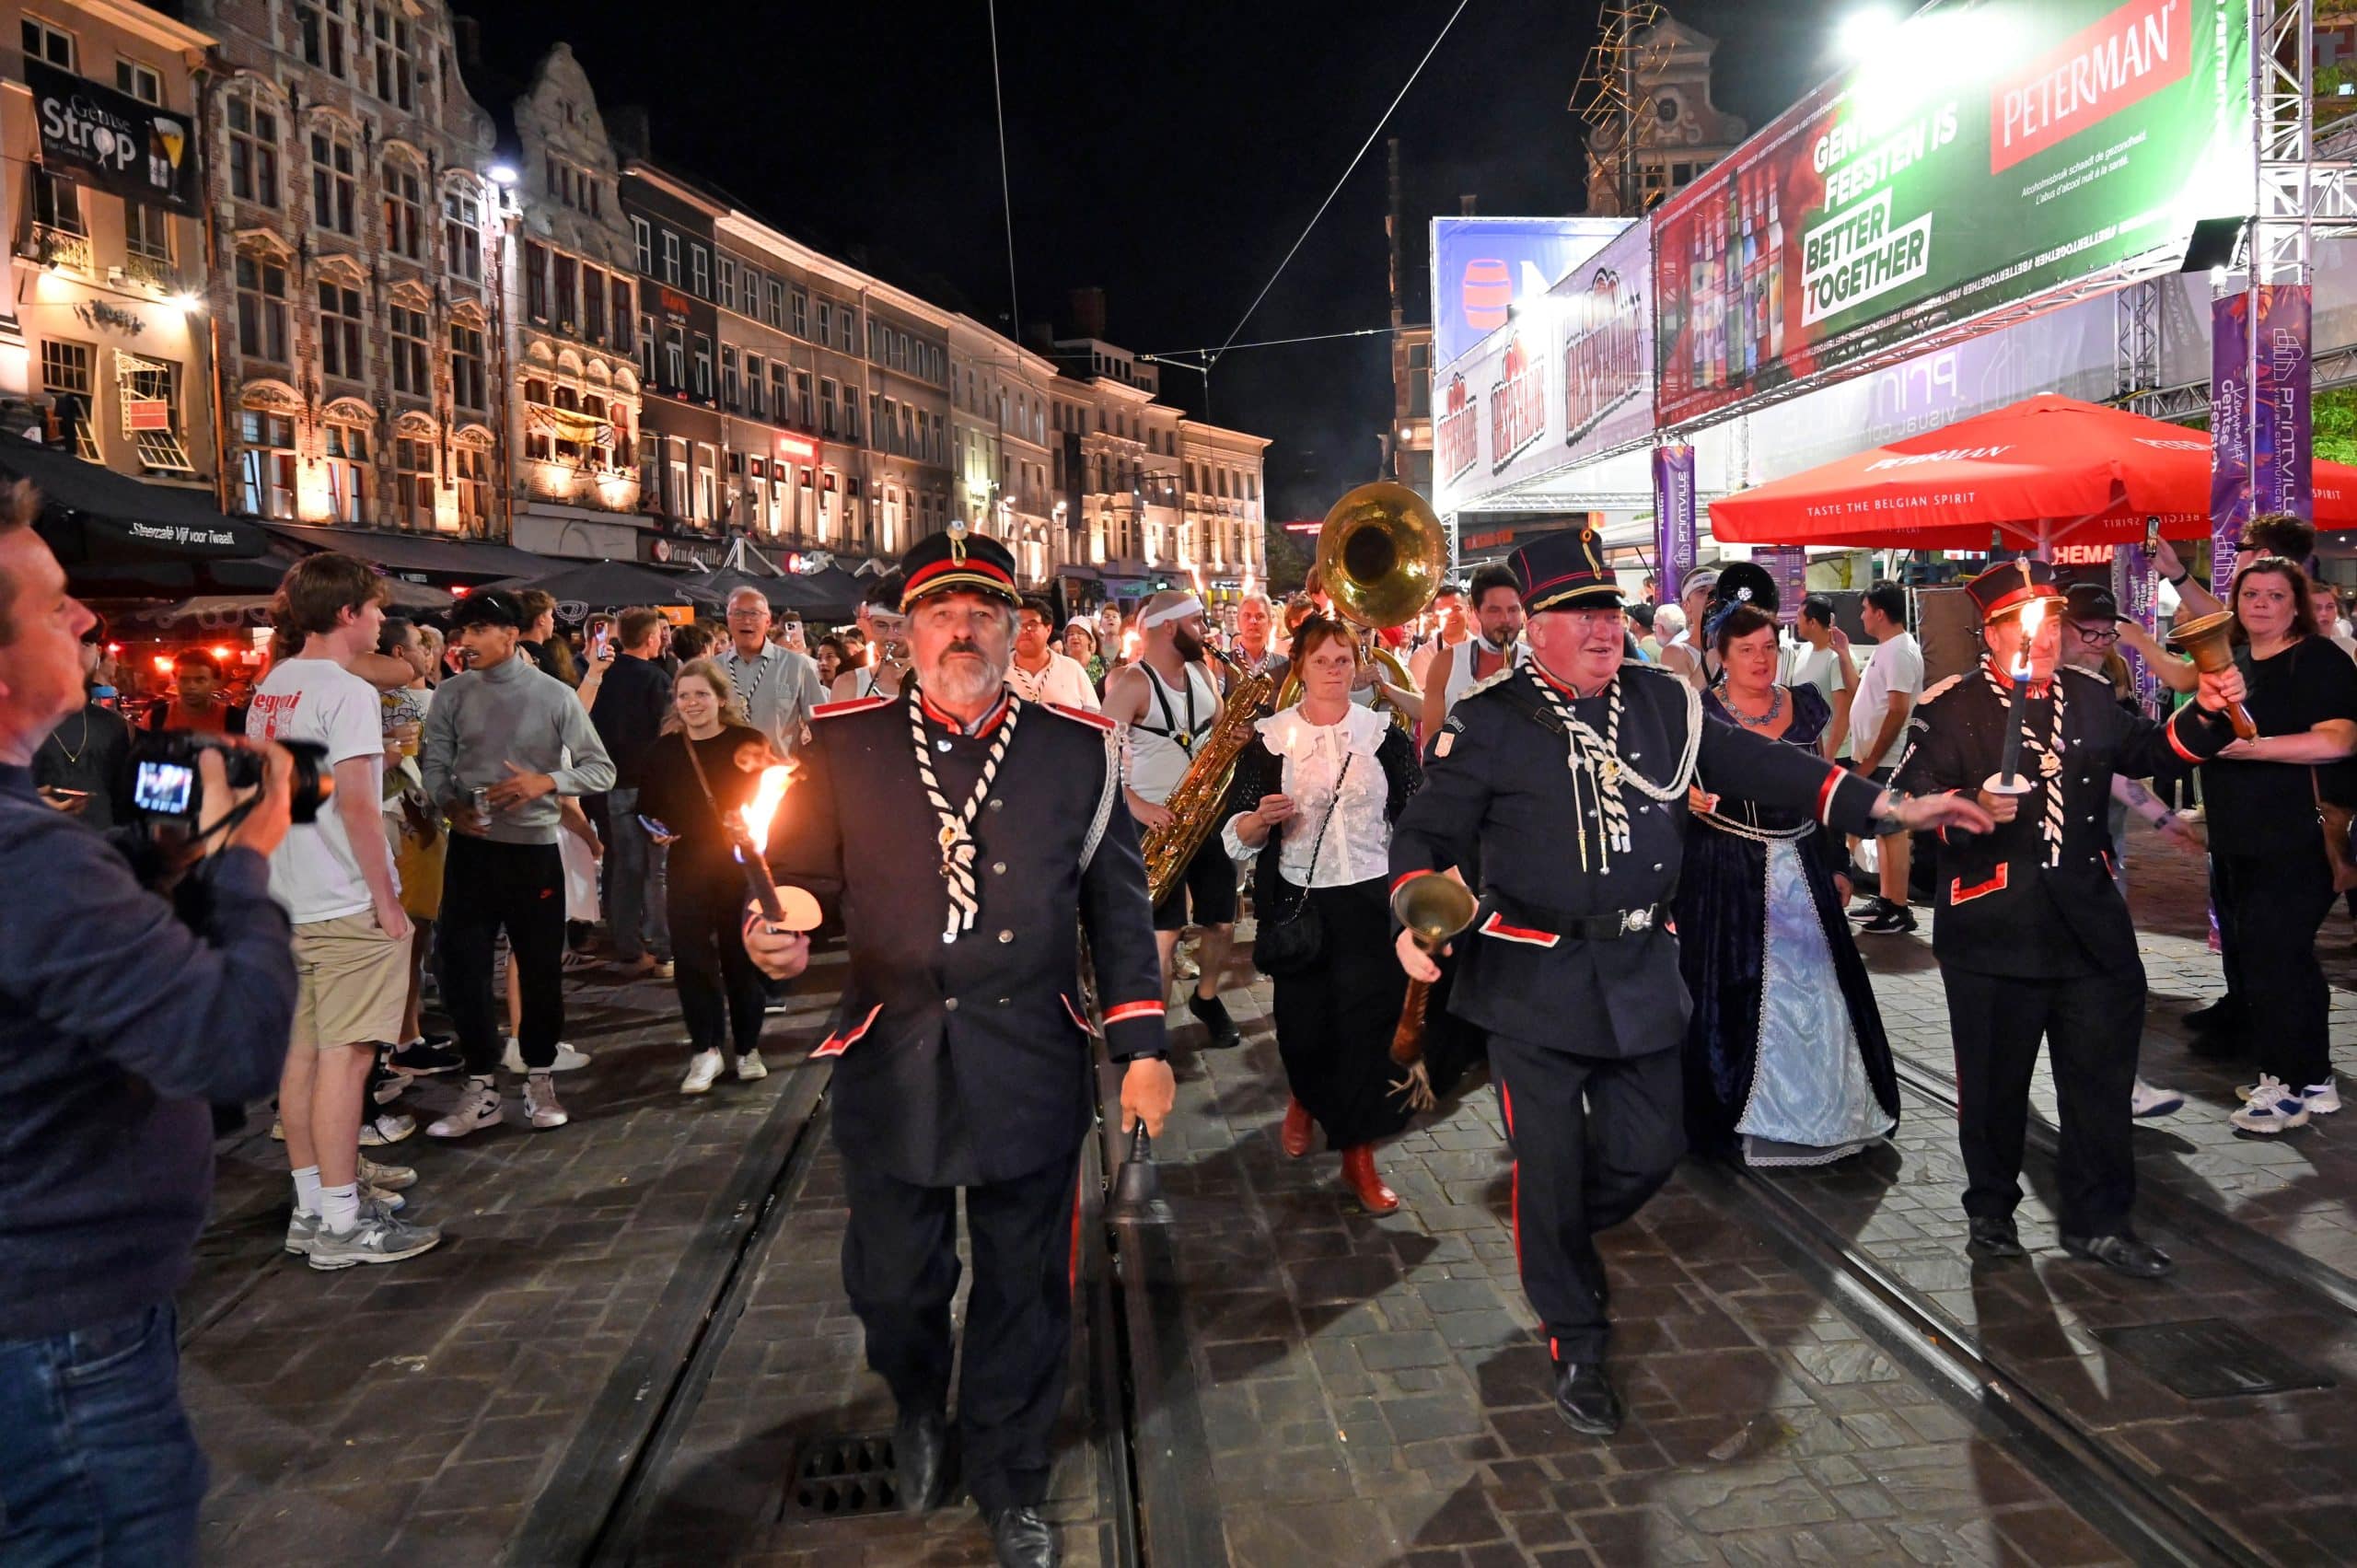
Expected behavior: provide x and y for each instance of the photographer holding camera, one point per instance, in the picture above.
(123, 1010)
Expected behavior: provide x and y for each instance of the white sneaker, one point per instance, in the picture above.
(2323, 1099)
(386, 1127)
(702, 1068)
(2147, 1102)
(477, 1107)
(751, 1066)
(567, 1059)
(392, 1177)
(540, 1105)
(2272, 1108)
(302, 1229)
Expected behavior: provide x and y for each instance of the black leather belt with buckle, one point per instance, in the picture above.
(1611, 927)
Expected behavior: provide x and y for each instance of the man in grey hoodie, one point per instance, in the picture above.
(503, 742)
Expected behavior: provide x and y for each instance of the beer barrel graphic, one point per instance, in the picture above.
(1487, 291)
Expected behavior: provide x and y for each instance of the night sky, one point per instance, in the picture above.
(1169, 154)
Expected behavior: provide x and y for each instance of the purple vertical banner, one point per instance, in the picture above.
(2230, 456)
(2136, 586)
(1788, 564)
(2282, 449)
(1674, 539)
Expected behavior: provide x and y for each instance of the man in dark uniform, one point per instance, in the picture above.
(2033, 936)
(1570, 776)
(958, 828)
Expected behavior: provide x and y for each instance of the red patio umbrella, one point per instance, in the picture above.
(2047, 469)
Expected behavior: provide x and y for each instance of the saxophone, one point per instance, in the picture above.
(1195, 804)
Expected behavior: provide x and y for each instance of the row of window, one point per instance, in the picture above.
(574, 296)
(264, 334)
(374, 49)
(406, 229)
(64, 236)
(269, 464)
(1026, 415)
(53, 45)
(146, 394)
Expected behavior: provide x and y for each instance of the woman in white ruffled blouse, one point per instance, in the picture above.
(1336, 1015)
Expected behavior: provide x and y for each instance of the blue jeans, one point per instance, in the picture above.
(97, 1464)
(636, 868)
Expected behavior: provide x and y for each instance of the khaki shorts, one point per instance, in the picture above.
(351, 982)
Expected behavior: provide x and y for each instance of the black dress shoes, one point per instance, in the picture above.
(1994, 1238)
(1585, 1396)
(2122, 1253)
(1023, 1539)
(1211, 1013)
(922, 1457)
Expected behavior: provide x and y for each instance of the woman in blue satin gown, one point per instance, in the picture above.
(1786, 1063)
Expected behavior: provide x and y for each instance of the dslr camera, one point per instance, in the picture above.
(167, 791)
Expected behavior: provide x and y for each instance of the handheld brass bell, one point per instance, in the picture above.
(2209, 642)
(1434, 907)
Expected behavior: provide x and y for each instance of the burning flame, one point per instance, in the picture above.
(758, 813)
(163, 663)
(1131, 642)
(1197, 572)
(1250, 588)
(2033, 617)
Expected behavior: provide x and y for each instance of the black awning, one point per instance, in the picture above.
(94, 516)
(429, 555)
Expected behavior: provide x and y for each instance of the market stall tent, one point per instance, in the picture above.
(2044, 471)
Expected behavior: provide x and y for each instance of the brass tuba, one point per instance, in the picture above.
(1380, 557)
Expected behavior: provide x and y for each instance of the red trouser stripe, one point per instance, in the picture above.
(1506, 1100)
(1071, 1266)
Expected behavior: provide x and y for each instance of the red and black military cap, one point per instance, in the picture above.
(1563, 571)
(2008, 585)
(957, 559)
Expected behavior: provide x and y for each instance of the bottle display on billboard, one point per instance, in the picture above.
(1988, 154)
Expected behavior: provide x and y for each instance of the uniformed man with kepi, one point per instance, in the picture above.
(1570, 775)
(2033, 936)
(959, 828)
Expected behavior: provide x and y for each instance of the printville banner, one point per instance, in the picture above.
(111, 142)
(1990, 153)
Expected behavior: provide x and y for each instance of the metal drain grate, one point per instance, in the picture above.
(840, 1476)
(2211, 1358)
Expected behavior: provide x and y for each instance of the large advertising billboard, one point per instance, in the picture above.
(1989, 153)
(1484, 268)
(1567, 378)
(113, 142)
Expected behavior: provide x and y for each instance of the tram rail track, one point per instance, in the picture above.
(2115, 1489)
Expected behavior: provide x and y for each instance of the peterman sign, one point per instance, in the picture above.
(1991, 152)
(113, 142)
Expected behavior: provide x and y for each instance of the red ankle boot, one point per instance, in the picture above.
(1297, 1129)
(1358, 1170)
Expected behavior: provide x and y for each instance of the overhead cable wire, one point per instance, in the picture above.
(1005, 192)
(1172, 353)
(1347, 172)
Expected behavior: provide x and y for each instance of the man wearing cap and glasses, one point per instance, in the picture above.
(2034, 939)
(958, 828)
(2092, 630)
(1570, 773)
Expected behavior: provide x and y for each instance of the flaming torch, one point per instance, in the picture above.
(783, 914)
(2009, 780)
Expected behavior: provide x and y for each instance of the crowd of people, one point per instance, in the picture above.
(502, 797)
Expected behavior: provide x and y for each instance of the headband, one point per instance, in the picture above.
(1186, 606)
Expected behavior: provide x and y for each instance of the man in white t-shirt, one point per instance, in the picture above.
(335, 877)
(1821, 658)
(1037, 672)
(1878, 718)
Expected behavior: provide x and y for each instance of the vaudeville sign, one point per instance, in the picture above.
(113, 142)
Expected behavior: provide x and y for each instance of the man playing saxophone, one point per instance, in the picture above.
(1169, 706)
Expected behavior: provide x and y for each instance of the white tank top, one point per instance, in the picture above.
(1461, 677)
(1166, 737)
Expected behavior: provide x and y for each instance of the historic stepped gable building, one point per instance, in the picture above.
(355, 259)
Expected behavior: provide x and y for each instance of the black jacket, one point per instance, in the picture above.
(1498, 777)
(633, 697)
(2001, 909)
(970, 1059)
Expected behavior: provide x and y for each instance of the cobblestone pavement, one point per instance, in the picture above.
(1372, 1391)
(418, 1410)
